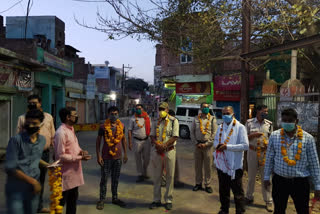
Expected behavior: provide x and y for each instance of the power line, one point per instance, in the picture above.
(12, 6)
(26, 27)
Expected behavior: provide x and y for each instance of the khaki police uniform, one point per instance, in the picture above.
(203, 157)
(253, 125)
(141, 144)
(169, 160)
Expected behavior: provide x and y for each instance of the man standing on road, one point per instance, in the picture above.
(47, 130)
(164, 135)
(291, 158)
(68, 151)
(23, 157)
(112, 132)
(259, 130)
(230, 142)
(139, 129)
(203, 131)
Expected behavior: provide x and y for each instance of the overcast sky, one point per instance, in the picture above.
(92, 44)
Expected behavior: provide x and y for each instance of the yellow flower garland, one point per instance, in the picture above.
(164, 133)
(265, 143)
(284, 149)
(109, 138)
(55, 183)
(229, 135)
(137, 122)
(207, 125)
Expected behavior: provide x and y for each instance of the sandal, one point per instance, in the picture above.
(100, 205)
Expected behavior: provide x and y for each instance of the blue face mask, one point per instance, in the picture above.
(288, 127)
(227, 118)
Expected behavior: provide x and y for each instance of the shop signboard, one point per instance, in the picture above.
(228, 87)
(24, 81)
(57, 62)
(197, 88)
(91, 87)
(101, 72)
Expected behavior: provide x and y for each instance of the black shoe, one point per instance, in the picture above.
(209, 190)
(178, 184)
(168, 206)
(146, 177)
(140, 179)
(248, 201)
(197, 187)
(221, 212)
(154, 205)
(118, 202)
(100, 205)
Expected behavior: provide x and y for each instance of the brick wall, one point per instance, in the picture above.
(24, 47)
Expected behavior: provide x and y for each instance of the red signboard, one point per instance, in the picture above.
(228, 87)
(230, 82)
(193, 88)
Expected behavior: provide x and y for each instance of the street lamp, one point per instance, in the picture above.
(137, 101)
(113, 96)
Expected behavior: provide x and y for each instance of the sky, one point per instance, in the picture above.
(93, 44)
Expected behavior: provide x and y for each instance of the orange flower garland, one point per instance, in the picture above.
(109, 138)
(164, 133)
(207, 125)
(229, 135)
(284, 149)
(55, 181)
(137, 122)
(265, 143)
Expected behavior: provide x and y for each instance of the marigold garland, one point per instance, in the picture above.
(137, 122)
(164, 133)
(259, 149)
(285, 144)
(229, 135)
(207, 125)
(110, 139)
(55, 183)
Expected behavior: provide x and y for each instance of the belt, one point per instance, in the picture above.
(290, 178)
(254, 148)
(141, 139)
(199, 141)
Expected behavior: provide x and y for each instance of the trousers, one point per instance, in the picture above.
(141, 149)
(169, 160)
(203, 161)
(113, 168)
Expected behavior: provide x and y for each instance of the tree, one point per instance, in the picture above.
(136, 85)
(211, 25)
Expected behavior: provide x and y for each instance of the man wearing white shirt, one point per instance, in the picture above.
(230, 142)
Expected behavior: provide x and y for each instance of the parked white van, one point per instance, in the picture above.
(186, 113)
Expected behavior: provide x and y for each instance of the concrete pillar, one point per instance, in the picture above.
(46, 98)
(294, 55)
(60, 103)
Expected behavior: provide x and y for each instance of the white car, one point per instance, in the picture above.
(186, 113)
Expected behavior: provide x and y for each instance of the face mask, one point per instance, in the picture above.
(138, 111)
(227, 118)
(32, 130)
(32, 106)
(114, 118)
(264, 116)
(163, 114)
(288, 127)
(205, 110)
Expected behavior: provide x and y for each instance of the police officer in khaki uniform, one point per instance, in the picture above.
(203, 131)
(138, 137)
(164, 135)
(259, 130)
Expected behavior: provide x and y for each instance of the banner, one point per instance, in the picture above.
(198, 88)
(57, 62)
(230, 82)
(227, 95)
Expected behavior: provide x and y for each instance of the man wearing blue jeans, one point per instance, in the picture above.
(23, 157)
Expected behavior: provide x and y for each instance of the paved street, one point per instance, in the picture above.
(138, 196)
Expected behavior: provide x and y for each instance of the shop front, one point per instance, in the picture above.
(50, 85)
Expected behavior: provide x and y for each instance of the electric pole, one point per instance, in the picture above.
(245, 69)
